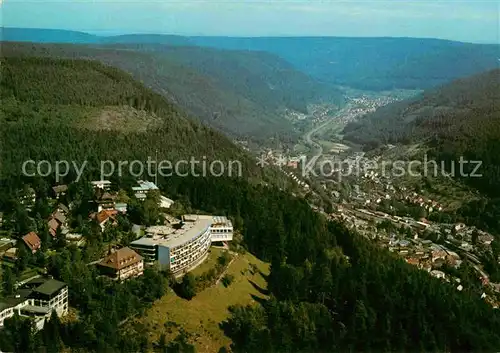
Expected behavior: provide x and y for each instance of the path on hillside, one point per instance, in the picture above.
(227, 268)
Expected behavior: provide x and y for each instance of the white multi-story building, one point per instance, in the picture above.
(184, 248)
(221, 228)
(165, 202)
(37, 299)
(141, 192)
(101, 184)
(50, 294)
(12, 305)
(143, 188)
(179, 250)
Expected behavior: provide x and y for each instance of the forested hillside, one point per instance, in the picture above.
(262, 77)
(71, 110)
(330, 290)
(240, 93)
(458, 119)
(373, 63)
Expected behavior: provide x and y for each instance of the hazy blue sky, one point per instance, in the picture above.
(474, 21)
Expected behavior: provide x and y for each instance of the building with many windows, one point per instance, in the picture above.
(182, 248)
(221, 228)
(122, 264)
(101, 184)
(36, 299)
(143, 188)
(179, 249)
(50, 294)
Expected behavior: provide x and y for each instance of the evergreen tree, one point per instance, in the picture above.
(188, 286)
(161, 345)
(51, 334)
(8, 281)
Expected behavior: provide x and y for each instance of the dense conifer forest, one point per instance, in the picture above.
(330, 289)
(243, 94)
(46, 104)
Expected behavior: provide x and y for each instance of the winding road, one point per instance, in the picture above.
(308, 136)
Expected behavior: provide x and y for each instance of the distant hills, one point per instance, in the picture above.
(364, 63)
(443, 112)
(43, 35)
(39, 35)
(374, 63)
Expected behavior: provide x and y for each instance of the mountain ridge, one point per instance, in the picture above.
(241, 94)
(377, 63)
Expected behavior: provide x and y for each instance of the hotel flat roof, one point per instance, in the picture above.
(99, 182)
(176, 237)
(221, 221)
(217, 221)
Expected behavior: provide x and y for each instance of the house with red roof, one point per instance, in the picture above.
(32, 241)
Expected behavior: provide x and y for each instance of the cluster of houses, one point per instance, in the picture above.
(424, 254)
(428, 204)
(352, 216)
(301, 183)
(466, 234)
(181, 248)
(459, 242)
(56, 222)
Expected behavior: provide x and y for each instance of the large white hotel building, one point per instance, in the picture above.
(182, 248)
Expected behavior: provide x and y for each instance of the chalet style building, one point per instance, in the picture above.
(122, 264)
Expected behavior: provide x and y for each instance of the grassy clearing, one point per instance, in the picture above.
(300, 149)
(332, 147)
(124, 118)
(209, 263)
(333, 128)
(201, 315)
